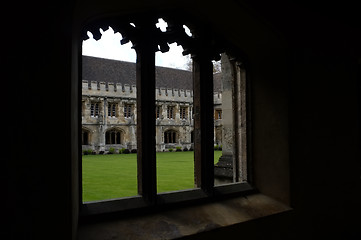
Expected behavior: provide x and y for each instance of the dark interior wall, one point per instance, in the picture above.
(325, 142)
(36, 60)
(305, 83)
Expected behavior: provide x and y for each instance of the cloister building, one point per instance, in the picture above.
(109, 106)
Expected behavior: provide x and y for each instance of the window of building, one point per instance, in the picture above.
(170, 112)
(183, 113)
(112, 131)
(170, 136)
(176, 99)
(112, 109)
(113, 137)
(127, 110)
(218, 114)
(204, 47)
(94, 109)
(158, 111)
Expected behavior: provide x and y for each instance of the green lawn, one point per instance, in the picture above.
(115, 175)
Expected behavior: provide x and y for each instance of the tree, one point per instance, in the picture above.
(189, 63)
(216, 65)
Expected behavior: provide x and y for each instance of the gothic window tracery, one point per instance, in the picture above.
(204, 46)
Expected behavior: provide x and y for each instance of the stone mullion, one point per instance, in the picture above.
(145, 80)
(203, 122)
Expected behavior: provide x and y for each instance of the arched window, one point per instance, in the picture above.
(84, 137)
(204, 47)
(170, 136)
(113, 137)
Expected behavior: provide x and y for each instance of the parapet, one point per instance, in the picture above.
(174, 94)
(112, 89)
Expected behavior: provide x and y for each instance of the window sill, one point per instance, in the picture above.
(184, 221)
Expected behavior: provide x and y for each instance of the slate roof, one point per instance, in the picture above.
(107, 70)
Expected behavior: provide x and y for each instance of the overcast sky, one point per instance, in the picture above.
(109, 47)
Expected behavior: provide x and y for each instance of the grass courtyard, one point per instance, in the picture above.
(115, 175)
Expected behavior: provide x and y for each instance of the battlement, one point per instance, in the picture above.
(111, 89)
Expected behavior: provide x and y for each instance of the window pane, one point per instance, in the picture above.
(174, 96)
(109, 162)
(113, 110)
(96, 110)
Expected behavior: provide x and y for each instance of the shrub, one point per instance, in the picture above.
(191, 149)
(170, 149)
(133, 151)
(185, 149)
(85, 152)
(178, 149)
(121, 150)
(111, 151)
(126, 151)
(101, 152)
(220, 147)
(216, 147)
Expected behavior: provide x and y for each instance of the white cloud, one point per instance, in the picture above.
(173, 58)
(109, 47)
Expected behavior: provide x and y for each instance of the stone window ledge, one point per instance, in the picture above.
(184, 221)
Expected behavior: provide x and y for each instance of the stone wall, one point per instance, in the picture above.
(105, 93)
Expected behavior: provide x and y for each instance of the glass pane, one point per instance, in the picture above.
(109, 161)
(174, 120)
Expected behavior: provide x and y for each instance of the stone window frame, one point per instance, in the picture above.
(128, 110)
(183, 112)
(171, 112)
(203, 51)
(271, 172)
(94, 109)
(112, 109)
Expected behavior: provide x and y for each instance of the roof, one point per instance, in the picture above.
(107, 70)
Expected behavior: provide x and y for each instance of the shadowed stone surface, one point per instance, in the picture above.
(185, 221)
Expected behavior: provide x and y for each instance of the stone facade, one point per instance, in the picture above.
(109, 114)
